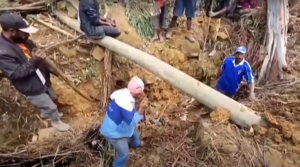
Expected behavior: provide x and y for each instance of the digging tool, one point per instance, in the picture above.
(62, 76)
(157, 121)
(208, 26)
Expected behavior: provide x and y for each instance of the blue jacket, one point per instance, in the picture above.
(121, 118)
(232, 75)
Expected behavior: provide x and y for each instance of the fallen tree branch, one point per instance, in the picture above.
(51, 26)
(107, 81)
(35, 3)
(65, 78)
(41, 5)
(211, 98)
(62, 43)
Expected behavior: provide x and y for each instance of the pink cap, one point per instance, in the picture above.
(136, 85)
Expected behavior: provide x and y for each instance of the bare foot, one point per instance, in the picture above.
(169, 34)
(142, 143)
(190, 37)
(154, 38)
(161, 36)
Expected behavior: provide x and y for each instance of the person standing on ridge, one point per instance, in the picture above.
(233, 69)
(189, 7)
(24, 66)
(121, 119)
(94, 25)
(160, 21)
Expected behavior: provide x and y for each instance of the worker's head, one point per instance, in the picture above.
(15, 27)
(136, 87)
(240, 53)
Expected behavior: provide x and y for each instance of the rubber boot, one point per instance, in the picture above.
(57, 123)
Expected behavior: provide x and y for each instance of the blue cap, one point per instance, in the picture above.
(241, 49)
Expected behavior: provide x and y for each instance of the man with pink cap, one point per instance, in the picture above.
(121, 119)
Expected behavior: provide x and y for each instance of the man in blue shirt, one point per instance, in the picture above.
(234, 68)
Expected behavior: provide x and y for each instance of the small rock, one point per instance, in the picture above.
(230, 148)
(296, 137)
(189, 48)
(81, 50)
(98, 53)
(67, 52)
(259, 130)
(222, 35)
(288, 114)
(277, 138)
(34, 138)
(72, 12)
(274, 158)
(126, 31)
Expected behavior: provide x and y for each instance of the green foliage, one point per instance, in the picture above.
(139, 17)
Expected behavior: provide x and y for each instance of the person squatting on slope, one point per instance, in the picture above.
(160, 21)
(121, 119)
(94, 25)
(24, 66)
(219, 9)
(189, 7)
(233, 69)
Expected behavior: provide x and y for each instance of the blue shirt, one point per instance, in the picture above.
(232, 75)
(121, 118)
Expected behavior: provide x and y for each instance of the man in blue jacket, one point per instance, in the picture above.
(234, 68)
(94, 25)
(120, 122)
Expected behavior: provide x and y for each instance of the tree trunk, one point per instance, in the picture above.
(211, 98)
(278, 18)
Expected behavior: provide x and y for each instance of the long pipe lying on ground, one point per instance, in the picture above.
(211, 98)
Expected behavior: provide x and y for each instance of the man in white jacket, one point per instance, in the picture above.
(121, 119)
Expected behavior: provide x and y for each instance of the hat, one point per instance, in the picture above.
(241, 49)
(136, 85)
(10, 20)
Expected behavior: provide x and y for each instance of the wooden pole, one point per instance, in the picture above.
(211, 98)
(63, 76)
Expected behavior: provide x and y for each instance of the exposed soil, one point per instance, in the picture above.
(173, 142)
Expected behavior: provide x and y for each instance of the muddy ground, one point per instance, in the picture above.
(172, 143)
